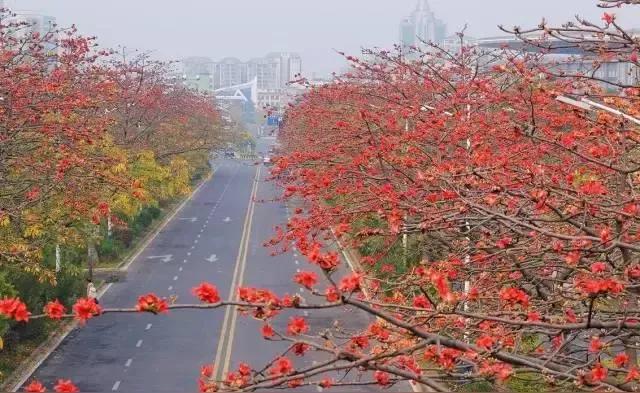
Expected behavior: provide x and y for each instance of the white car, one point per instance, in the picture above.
(266, 160)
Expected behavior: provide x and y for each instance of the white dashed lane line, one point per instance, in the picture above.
(170, 288)
(297, 262)
(180, 269)
(115, 386)
(128, 363)
(175, 278)
(148, 326)
(139, 344)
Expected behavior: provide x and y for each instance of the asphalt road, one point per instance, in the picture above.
(218, 237)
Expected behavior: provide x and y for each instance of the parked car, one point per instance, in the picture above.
(267, 160)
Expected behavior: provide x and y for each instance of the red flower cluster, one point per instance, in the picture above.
(282, 366)
(306, 279)
(35, 387)
(593, 287)
(350, 283)
(258, 296)
(152, 303)
(332, 294)
(513, 295)
(297, 325)
(381, 378)
(54, 309)
(65, 386)
(14, 308)
(421, 301)
(85, 309)
(206, 293)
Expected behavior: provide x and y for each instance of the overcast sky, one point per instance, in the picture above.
(315, 29)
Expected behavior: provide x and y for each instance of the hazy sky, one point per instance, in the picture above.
(314, 28)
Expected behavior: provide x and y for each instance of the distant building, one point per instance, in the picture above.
(570, 60)
(197, 73)
(421, 27)
(24, 24)
(271, 75)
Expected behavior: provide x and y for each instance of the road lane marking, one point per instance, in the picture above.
(198, 236)
(225, 343)
(196, 241)
(180, 269)
(189, 254)
(139, 344)
(164, 258)
(115, 386)
(175, 278)
(171, 287)
(297, 262)
(148, 326)
(128, 363)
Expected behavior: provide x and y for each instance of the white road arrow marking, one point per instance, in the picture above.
(192, 219)
(165, 258)
(228, 219)
(212, 258)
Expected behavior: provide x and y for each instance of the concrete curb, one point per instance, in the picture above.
(44, 350)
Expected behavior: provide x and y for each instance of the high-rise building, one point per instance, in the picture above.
(421, 27)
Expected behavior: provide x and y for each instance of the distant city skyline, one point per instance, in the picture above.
(250, 28)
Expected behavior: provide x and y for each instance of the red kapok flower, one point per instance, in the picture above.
(608, 18)
(282, 366)
(152, 303)
(595, 345)
(598, 267)
(632, 375)
(244, 369)
(485, 342)
(514, 296)
(65, 386)
(332, 294)
(326, 383)
(54, 309)
(381, 378)
(206, 370)
(15, 309)
(421, 301)
(35, 387)
(350, 283)
(621, 359)
(85, 309)
(267, 331)
(306, 279)
(598, 373)
(300, 348)
(206, 293)
(504, 242)
(297, 325)
(360, 341)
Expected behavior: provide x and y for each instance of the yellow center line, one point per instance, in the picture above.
(225, 343)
